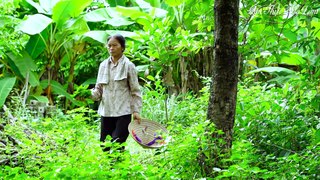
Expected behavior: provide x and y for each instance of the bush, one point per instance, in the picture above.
(276, 136)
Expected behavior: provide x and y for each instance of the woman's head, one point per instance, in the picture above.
(119, 38)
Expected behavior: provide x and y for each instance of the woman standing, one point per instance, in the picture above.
(118, 91)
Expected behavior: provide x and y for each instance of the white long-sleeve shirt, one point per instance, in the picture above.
(117, 88)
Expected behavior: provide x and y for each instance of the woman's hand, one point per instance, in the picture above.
(136, 117)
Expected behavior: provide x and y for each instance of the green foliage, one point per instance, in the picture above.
(166, 45)
(10, 41)
(6, 86)
(289, 112)
(83, 96)
(273, 133)
(64, 10)
(37, 20)
(157, 41)
(24, 67)
(277, 130)
(58, 89)
(66, 146)
(282, 34)
(282, 124)
(244, 163)
(55, 33)
(182, 109)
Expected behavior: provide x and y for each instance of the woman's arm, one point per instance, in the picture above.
(96, 92)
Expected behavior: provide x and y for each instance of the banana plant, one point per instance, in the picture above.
(59, 32)
(110, 16)
(54, 32)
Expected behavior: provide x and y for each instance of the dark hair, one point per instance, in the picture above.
(120, 38)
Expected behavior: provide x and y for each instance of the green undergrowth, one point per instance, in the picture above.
(276, 136)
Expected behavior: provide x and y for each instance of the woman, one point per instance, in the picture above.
(117, 89)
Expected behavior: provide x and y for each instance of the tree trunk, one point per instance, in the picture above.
(223, 90)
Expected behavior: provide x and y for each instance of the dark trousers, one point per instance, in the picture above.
(116, 127)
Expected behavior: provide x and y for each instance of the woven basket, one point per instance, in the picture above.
(148, 134)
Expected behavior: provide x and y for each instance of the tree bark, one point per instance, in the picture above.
(223, 90)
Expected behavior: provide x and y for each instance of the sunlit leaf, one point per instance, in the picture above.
(48, 5)
(284, 79)
(257, 28)
(97, 15)
(26, 66)
(132, 12)
(143, 5)
(119, 21)
(127, 34)
(158, 12)
(36, 44)
(34, 24)
(5, 88)
(58, 89)
(274, 70)
(33, 79)
(153, 11)
(67, 9)
(150, 78)
(145, 22)
(24, 61)
(89, 81)
(292, 59)
(43, 99)
(37, 6)
(290, 35)
(174, 2)
(316, 30)
(102, 36)
(77, 25)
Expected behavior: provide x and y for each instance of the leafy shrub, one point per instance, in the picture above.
(282, 126)
(276, 128)
(278, 120)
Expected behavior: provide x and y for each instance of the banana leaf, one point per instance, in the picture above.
(25, 65)
(5, 88)
(58, 89)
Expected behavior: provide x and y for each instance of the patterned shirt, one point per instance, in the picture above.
(118, 91)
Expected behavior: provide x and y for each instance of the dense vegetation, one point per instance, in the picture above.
(277, 125)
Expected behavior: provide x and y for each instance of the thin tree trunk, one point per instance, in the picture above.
(223, 91)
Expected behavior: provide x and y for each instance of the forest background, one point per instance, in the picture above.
(50, 51)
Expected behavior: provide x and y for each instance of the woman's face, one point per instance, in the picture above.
(114, 47)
